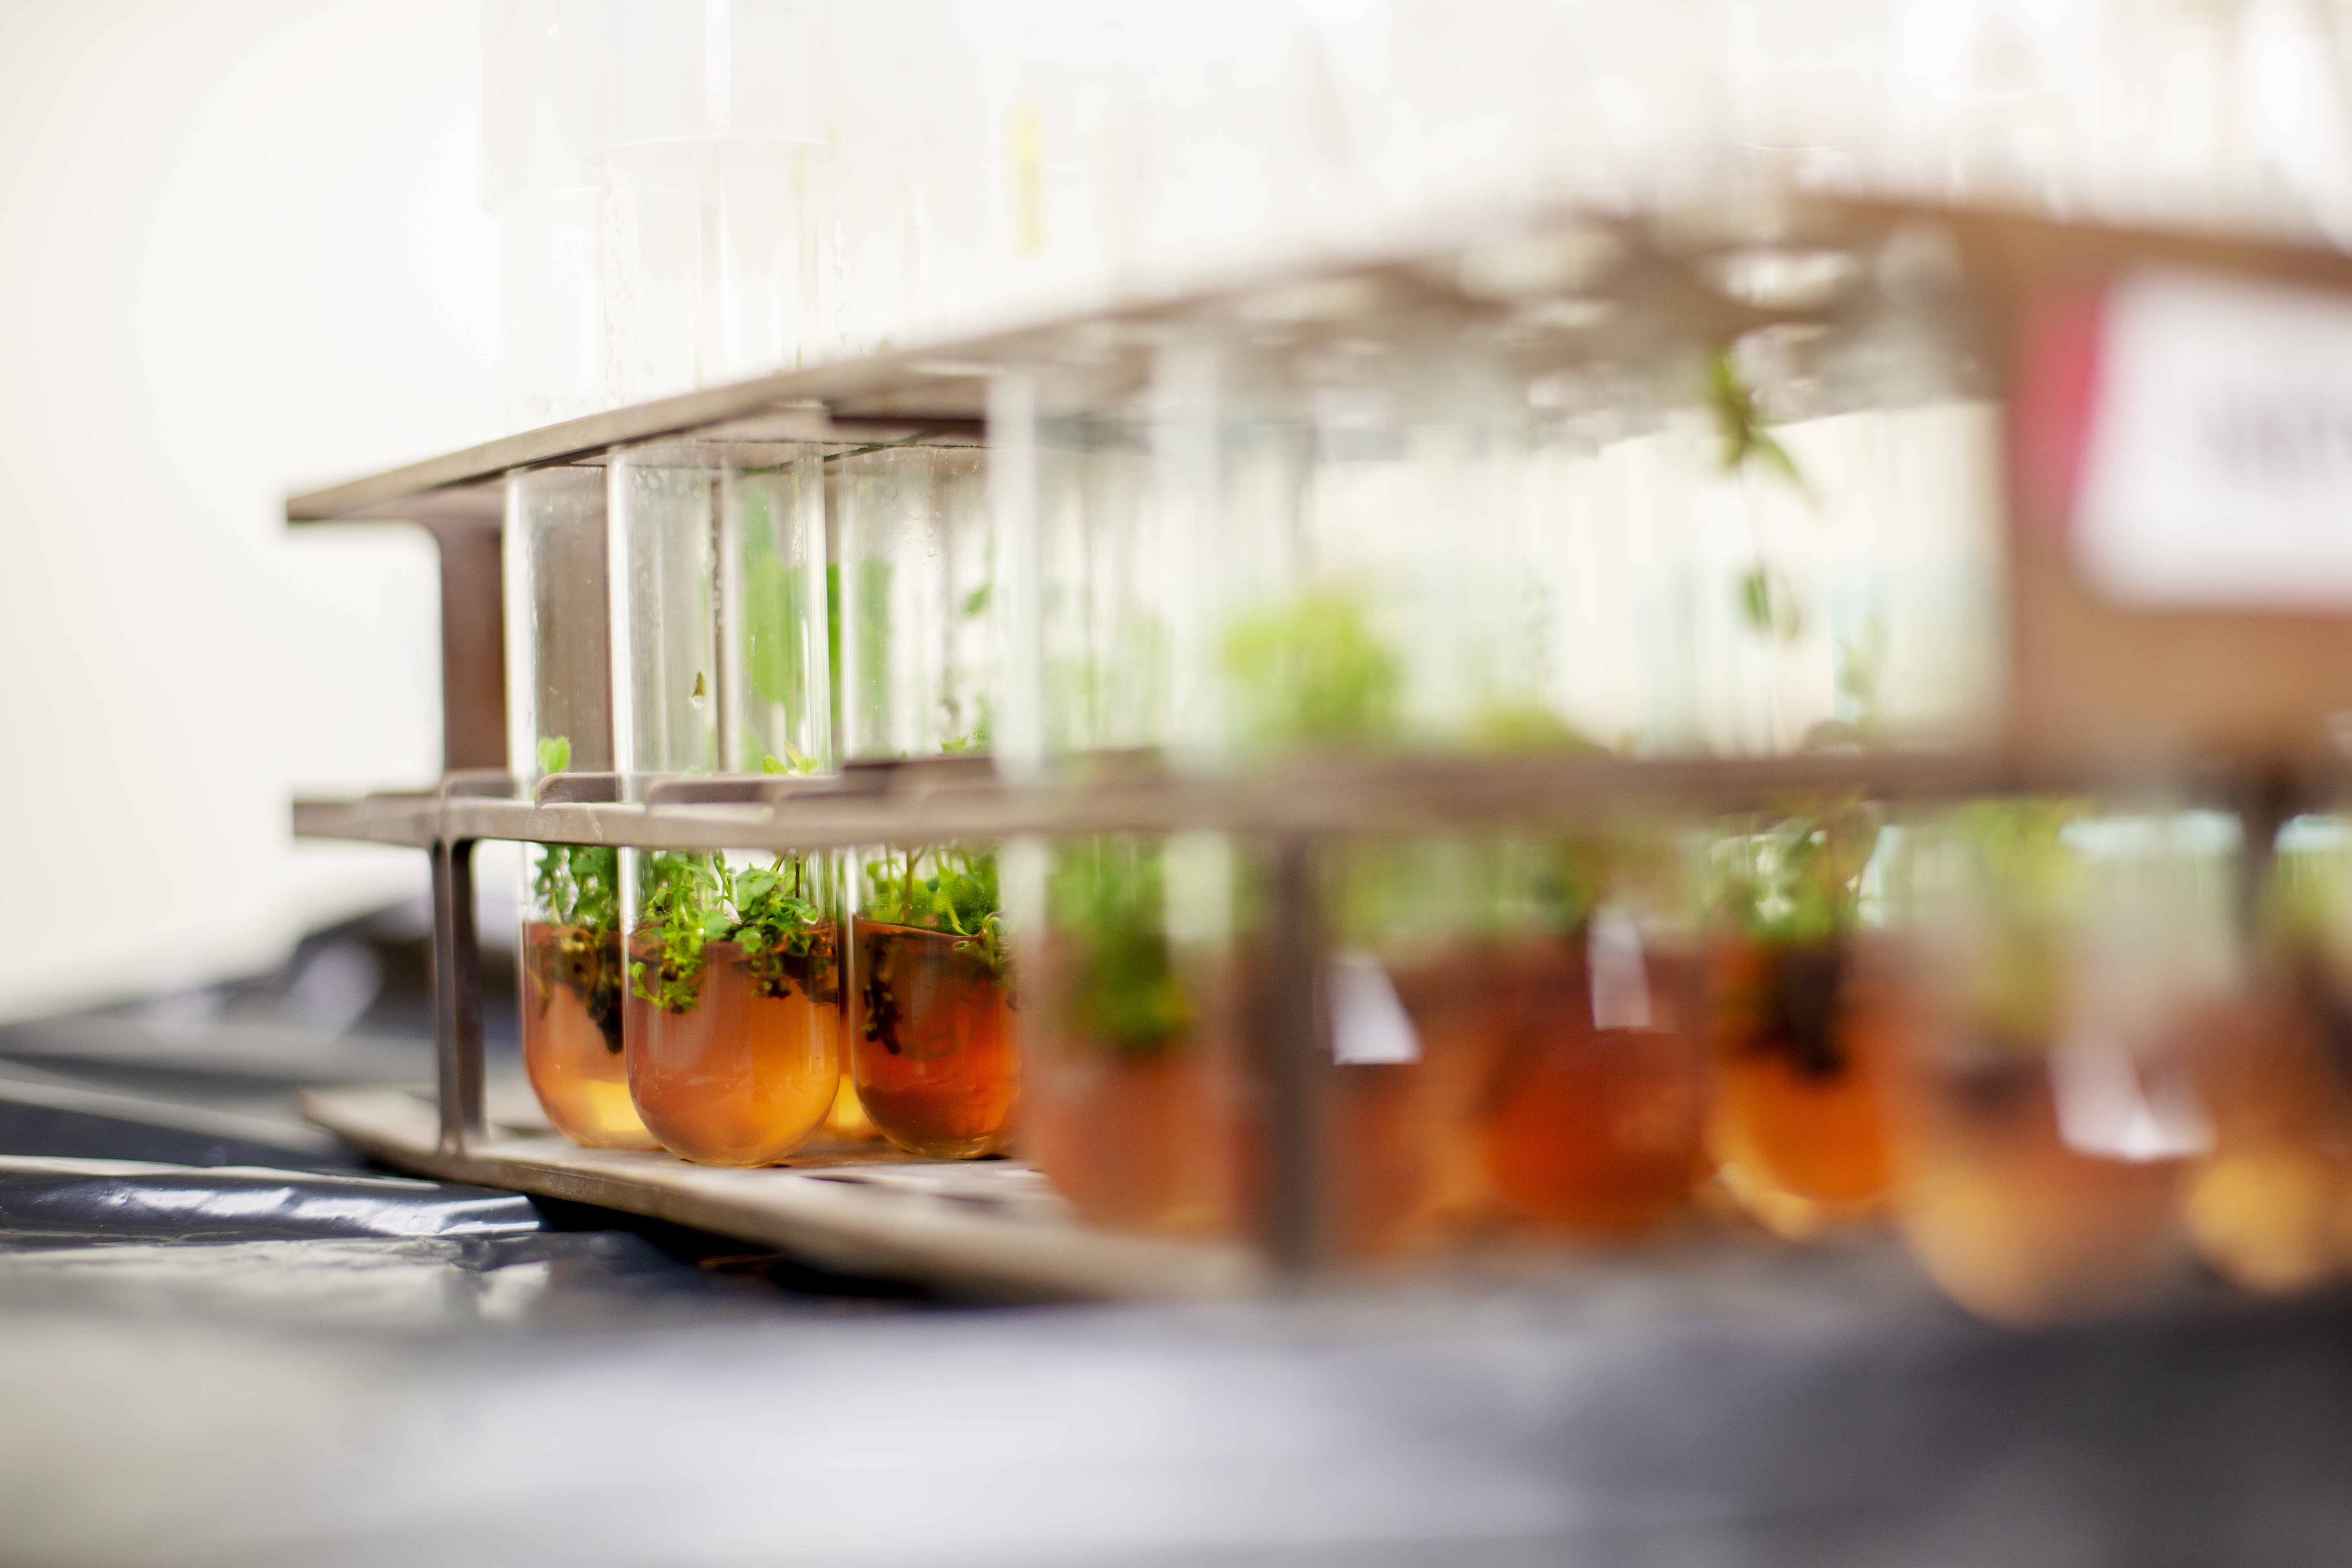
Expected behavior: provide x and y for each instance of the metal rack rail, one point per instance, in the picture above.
(927, 801)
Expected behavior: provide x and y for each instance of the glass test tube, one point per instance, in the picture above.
(559, 716)
(734, 1005)
(1801, 1053)
(732, 1018)
(932, 1044)
(2045, 1115)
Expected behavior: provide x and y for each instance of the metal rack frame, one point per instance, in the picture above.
(944, 396)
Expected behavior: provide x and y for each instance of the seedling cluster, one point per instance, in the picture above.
(693, 901)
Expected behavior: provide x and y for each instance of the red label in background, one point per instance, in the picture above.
(2191, 435)
(2051, 402)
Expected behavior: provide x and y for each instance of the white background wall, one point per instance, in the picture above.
(242, 252)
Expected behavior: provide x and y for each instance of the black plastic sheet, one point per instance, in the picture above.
(341, 1254)
(123, 1128)
(54, 1203)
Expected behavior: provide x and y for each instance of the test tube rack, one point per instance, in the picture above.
(2234, 705)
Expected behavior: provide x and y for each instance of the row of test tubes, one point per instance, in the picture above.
(1524, 509)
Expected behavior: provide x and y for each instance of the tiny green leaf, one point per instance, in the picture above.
(976, 739)
(554, 753)
(1314, 672)
(1770, 605)
(1741, 425)
(1776, 456)
(793, 761)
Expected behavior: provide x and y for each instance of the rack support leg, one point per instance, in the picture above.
(2264, 803)
(456, 996)
(1296, 1066)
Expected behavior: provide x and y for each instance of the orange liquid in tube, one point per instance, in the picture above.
(572, 1013)
(1590, 1128)
(1800, 1072)
(746, 1075)
(937, 1065)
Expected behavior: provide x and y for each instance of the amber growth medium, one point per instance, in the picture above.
(571, 984)
(1139, 1131)
(1404, 1167)
(746, 1073)
(2011, 1220)
(1140, 1144)
(1590, 1128)
(933, 1046)
(2270, 1207)
(847, 1119)
(1156, 1135)
(1798, 1069)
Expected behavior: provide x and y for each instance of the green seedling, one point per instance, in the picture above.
(576, 889)
(957, 897)
(1314, 673)
(579, 885)
(1798, 882)
(2029, 883)
(1795, 892)
(1740, 424)
(1766, 601)
(973, 740)
(693, 901)
(1529, 729)
(1109, 905)
(781, 930)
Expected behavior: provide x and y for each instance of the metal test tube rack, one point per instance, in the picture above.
(2010, 266)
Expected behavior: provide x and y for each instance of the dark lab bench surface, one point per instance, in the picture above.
(310, 1364)
(245, 1366)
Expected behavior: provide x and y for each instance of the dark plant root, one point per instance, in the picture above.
(774, 974)
(604, 1007)
(1995, 1083)
(882, 1016)
(883, 1012)
(2328, 1005)
(674, 974)
(588, 964)
(1801, 1007)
